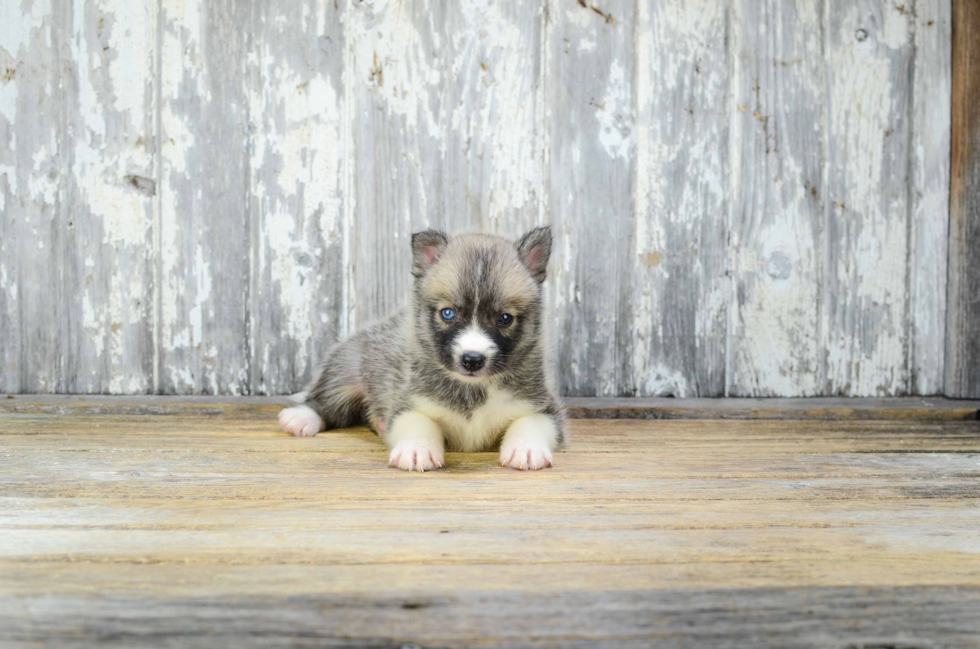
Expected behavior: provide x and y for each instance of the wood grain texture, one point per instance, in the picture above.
(864, 330)
(34, 176)
(179, 530)
(203, 235)
(297, 192)
(837, 616)
(929, 195)
(963, 301)
(681, 231)
(396, 99)
(780, 117)
(107, 271)
(820, 408)
(590, 73)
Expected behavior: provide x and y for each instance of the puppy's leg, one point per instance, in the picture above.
(529, 443)
(416, 442)
(336, 400)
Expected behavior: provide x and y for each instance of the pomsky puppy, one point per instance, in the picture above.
(463, 367)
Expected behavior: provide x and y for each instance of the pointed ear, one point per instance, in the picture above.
(426, 248)
(534, 249)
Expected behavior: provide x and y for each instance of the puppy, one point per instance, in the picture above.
(462, 368)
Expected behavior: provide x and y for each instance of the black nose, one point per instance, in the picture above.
(472, 361)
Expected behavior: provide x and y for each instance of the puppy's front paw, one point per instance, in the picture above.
(412, 455)
(525, 454)
(301, 421)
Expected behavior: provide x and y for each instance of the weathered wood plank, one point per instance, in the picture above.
(107, 268)
(865, 311)
(446, 99)
(963, 302)
(396, 101)
(778, 203)
(186, 438)
(447, 540)
(35, 157)
(764, 617)
(680, 260)
(176, 579)
(590, 72)
(841, 408)
(491, 172)
(929, 160)
(679, 514)
(203, 231)
(824, 408)
(298, 190)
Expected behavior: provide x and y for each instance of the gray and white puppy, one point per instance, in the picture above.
(463, 367)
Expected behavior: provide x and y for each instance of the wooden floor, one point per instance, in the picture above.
(191, 530)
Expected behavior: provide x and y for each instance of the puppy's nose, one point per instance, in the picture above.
(472, 361)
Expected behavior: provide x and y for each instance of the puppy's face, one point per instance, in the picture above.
(479, 299)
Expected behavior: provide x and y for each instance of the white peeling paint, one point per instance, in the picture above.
(133, 24)
(42, 186)
(202, 275)
(615, 114)
(21, 22)
(866, 341)
(389, 45)
(494, 117)
(93, 323)
(778, 135)
(8, 94)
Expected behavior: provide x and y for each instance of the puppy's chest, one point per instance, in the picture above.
(482, 427)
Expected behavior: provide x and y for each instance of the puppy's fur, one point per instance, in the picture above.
(426, 383)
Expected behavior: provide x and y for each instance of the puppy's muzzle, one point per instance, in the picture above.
(472, 361)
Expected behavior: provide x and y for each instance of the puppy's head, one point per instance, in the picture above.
(478, 299)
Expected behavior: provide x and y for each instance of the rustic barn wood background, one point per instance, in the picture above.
(750, 197)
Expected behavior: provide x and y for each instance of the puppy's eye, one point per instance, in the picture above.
(447, 314)
(504, 320)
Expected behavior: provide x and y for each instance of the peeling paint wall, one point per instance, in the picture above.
(750, 197)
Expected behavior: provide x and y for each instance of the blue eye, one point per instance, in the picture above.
(504, 320)
(447, 314)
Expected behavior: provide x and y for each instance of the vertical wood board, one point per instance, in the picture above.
(34, 47)
(778, 198)
(681, 290)
(962, 376)
(204, 231)
(107, 262)
(592, 120)
(929, 190)
(864, 314)
(446, 101)
(297, 190)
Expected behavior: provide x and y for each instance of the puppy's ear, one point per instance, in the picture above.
(426, 248)
(534, 249)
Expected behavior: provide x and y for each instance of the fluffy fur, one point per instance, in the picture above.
(427, 384)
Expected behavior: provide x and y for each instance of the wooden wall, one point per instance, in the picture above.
(750, 197)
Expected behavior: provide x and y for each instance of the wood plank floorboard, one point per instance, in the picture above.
(214, 529)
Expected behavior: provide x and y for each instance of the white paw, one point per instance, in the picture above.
(412, 455)
(301, 421)
(525, 454)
